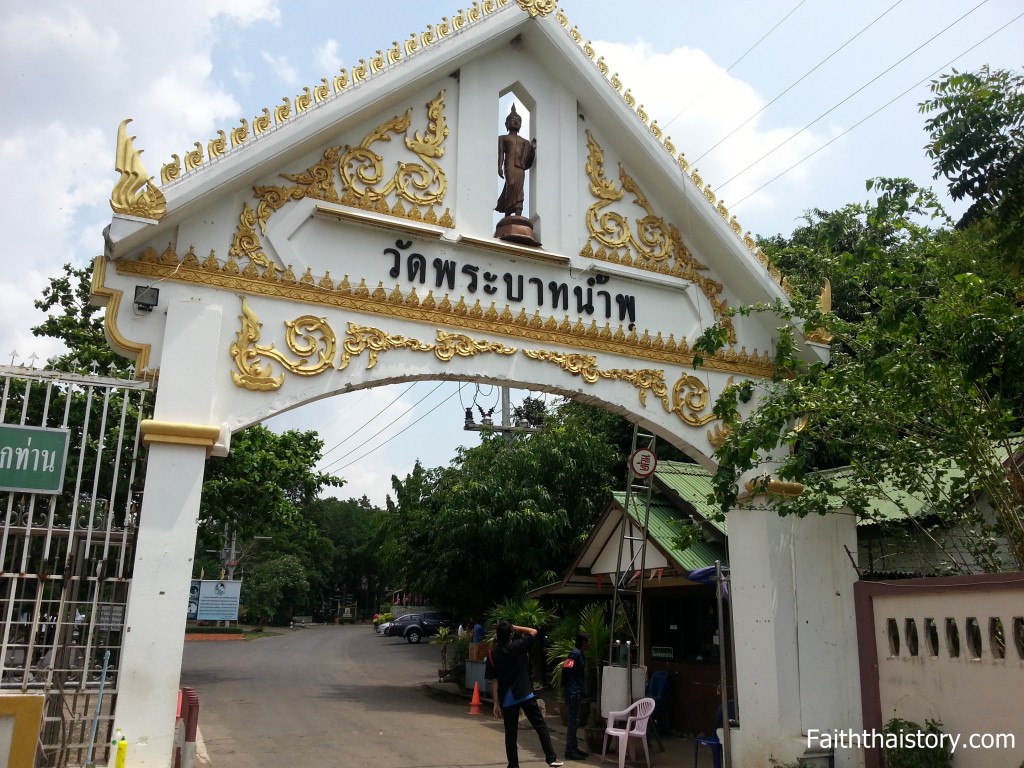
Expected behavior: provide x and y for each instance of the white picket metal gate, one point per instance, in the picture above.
(67, 558)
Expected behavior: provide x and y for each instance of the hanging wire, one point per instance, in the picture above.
(868, 117)
(798, 81)
(700, 95)
(840, 103)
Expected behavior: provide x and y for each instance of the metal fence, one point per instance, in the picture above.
(67, 557)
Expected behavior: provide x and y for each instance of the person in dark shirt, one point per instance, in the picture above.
(507, 668)
(574, 686)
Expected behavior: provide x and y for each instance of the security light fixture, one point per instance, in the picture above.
(146, 297)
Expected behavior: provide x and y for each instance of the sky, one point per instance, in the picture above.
(783, 106)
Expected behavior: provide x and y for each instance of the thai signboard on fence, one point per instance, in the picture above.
(32, 459)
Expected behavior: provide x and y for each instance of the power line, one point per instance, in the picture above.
(700, 95)
(368, 421)
(868, 117)
(360, 458)
(403, 413)
(839, 104)
(799, 80)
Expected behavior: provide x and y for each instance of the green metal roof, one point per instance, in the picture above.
(692, 484)
(663, 528)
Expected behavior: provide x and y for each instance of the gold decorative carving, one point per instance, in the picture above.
(282, 112)
(218, 146)
(718, 435)
(261, 124)
(373, 341)
(537, 7)
(321, 92)
(171, 171)
(653, 245)
(304, 100)
(194, 158)
(394, 53)
(377, 62)
(820, 335)
(689, 395)
(436, 311)
(766, 485)
(359, 72)
(341, 81)
(112, 305)
(134, 194)
(306, 337)
(240, 134)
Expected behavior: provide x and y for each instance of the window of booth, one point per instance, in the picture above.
(686, 623)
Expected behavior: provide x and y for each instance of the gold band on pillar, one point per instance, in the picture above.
(768, 486)
(173, 433)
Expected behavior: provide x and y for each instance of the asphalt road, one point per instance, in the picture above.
(336, 696)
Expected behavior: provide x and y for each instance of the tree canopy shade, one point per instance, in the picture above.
(505, 516)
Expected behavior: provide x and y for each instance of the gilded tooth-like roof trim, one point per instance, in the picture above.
(311, 98)
(666, 142)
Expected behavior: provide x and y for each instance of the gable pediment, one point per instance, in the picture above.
(377, 188)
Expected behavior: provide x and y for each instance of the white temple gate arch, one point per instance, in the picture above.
(350, 243)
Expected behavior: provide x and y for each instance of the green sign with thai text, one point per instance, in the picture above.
(32, 459)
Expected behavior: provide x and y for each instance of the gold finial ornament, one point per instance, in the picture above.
(134, 194)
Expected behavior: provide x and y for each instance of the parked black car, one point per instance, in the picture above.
(415, 626)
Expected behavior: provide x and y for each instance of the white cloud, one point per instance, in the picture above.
(326, 56)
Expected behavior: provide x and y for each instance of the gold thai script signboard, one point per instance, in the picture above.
(32, 459)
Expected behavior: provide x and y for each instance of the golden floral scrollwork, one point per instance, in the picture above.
(459, 21)
(194, 158)
(218, 146)
(304, 100)
(362, 169)
(537, 7)
(322, 91)
(412, 44)
(359, 71)
(240, 134)
(283, 112)
(134, 194)
(341, 80)
(444, 28)
(718, 435)
(689, 398)
(373, 341)
(377, 62)
(246, 244)
(307, 337)
(394, 53)
(261, 124)
(652, 244)
(171, 171)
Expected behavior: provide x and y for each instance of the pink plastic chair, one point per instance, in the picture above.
(634, 728)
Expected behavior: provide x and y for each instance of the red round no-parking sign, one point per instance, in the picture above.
(642, 462)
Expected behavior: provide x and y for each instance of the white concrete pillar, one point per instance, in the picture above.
(179, 440)
(794, 629)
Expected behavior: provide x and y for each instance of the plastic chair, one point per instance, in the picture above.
(712, 741)
(634, 729)
(658, 689)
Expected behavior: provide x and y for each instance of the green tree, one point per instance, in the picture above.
(263, 483)
(976, 140)
(924, 384)
(509, 513)
(78, 324)
(274, 590)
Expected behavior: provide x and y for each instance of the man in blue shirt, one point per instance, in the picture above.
(574, 686)
(508, 670)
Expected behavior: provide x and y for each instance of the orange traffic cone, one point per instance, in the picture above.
(474, 704)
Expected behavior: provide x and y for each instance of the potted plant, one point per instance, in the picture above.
(444, 638)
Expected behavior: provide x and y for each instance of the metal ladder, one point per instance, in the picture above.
(631, 560)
